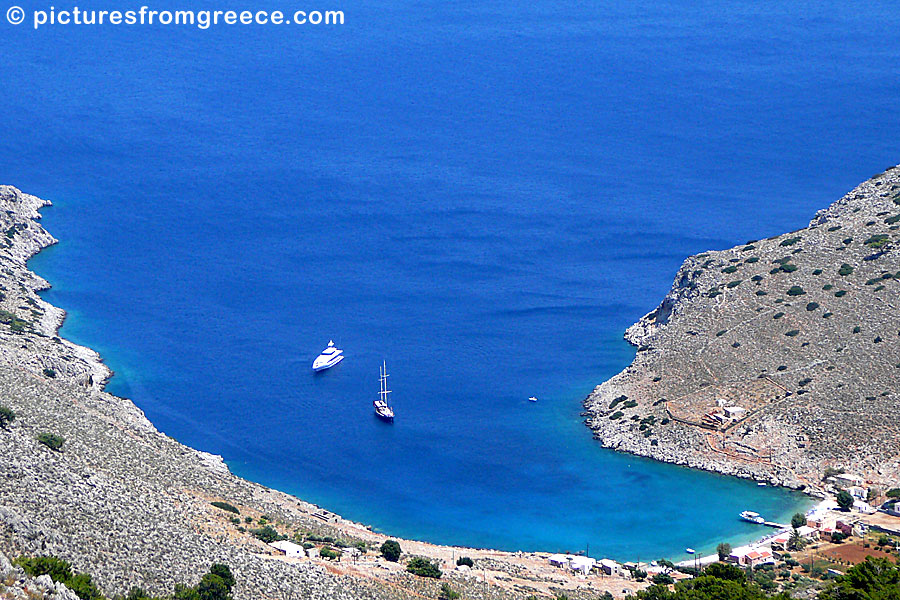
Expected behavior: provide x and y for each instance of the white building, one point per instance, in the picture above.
(581, 564)
(735, 413)
(559, 560)
(610, 567)
(857, 492)
(289, 549)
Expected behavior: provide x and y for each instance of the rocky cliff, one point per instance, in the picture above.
(774, 359)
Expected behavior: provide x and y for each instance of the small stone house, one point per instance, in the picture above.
(846, 480)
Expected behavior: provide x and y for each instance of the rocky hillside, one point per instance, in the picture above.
(774, 359)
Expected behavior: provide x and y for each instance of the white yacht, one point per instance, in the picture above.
(330, 356)
(382, 408)
(753, 517)
(533, 399)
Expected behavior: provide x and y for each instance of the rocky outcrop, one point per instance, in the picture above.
(797, 336)
(16, 585)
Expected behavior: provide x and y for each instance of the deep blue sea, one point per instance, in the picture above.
(482, 194)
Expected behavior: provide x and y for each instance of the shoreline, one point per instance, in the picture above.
(96, 375)
(102, 375)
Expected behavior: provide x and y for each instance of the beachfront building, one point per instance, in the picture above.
(748, 556)
(581, 564)
(609, 567)
(559, 560)
(288, 549)
(758, 557)
(781, 542)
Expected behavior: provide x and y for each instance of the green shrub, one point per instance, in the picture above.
(391, 551)
(877, 241)
(329, 553)
(447, 592)
(49, 373)
(778, 315)
(83, 587)
(59, 570)
(892, 220)
(734, 284)
(817, 271)
(789, 241)
(845, 269)
(721, 332)
(7, 416)
(267, 534)
(804, 382)
(226, 506)
(211, 587)
(857, 329)
(792, 332)
(812, 306)
(630, 404)
(840, 293)
(878, 289)
(795, 291)
(788, 267)
(423, 568)
(752, 259)
(51, 440)
(616, 415)
(616, 401)
(729, 269)
(465, 560)
(827, 287)
(761, 293)
(835, 228)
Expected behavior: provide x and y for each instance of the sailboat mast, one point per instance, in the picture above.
(384, 389)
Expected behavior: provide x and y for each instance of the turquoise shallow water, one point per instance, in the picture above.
(483, 196)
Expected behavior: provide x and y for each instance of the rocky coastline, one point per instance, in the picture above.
(776, 359)
(800, 331)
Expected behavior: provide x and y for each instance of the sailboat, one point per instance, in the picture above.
(382, 409)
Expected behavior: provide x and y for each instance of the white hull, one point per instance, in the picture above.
(321, 366)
